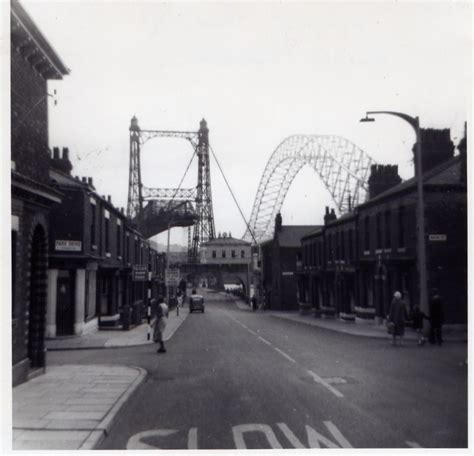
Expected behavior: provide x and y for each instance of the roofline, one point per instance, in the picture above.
(22, 16)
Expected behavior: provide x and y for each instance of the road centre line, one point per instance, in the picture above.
(282, 353)
(321, 381)
(315, 376)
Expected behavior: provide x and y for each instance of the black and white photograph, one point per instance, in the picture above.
(235, 225)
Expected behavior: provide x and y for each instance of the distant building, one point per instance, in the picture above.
(225, 250)
(281, 257)
(33, 63)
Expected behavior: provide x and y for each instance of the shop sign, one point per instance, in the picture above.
(287, 273)
(437, 237)
(68, 246)
(139, 273)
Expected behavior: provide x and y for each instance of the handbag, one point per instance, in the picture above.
(390, 327)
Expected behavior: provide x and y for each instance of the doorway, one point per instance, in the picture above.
(65, 304)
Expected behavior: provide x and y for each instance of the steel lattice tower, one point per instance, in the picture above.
(204, 227)
(201, 196)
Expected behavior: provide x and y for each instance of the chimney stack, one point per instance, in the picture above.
(56, 153)
(84, 179)
(382, 177)
(329, 216)
(436, 147)
(278, 222)
(65, 153)
(109, 199)
(89, 181)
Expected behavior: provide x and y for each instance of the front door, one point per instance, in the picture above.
(65, 304)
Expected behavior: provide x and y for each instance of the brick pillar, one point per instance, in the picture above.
(51, 305)
(79, 301)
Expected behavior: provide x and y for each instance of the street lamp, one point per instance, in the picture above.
(415, 123)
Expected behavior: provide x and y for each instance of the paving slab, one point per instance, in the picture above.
(85, 411)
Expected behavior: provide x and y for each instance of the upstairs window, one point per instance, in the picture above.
(93, 224)
(388, 230)
(107, 235)
(119, 240)
(343, 247)
(367, 233)
(214, 254)
(378, 230)
(233, 254)
(242, 254)
(223, 254)
(401, 227)
(351, 241)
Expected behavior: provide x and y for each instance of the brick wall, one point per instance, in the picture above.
(29, 119)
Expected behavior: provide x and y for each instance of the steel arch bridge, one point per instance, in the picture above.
(341, 165)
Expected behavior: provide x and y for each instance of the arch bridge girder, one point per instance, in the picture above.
(341, 165)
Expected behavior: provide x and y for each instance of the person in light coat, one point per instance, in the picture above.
(396, 317)
(159, 324)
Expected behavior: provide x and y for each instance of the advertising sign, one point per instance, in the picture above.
(172, 276)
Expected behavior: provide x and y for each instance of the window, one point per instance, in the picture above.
(378, 229)
(233, 254)
(127, 246)
(367, 233)
(388, 230)
(401, 227)
(242, 254)
(343, 249)
(119, 240)
(93, 222)
(349, 253)
(136, 251)
(107, 247)
(14, 239)
(214, 254)
(223, 254)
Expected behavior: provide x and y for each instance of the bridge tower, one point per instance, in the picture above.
(204, 227)
(169, 207)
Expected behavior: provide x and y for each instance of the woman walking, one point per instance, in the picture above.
(159, 323)
(396, 317)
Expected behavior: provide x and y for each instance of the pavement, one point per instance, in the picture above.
(71, 407)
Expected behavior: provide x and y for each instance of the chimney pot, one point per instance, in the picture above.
(109, 198)
(89, 181)
(84, 179)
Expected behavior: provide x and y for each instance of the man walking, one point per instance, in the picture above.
(436, 318)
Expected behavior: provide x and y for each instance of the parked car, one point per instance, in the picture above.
(196, 302)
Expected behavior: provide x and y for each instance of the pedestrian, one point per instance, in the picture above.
(436, 318)
(159, 323)
(254, 303)
(418, 317)
(179, 298)
(396, 317)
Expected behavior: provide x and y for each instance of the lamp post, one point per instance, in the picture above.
(415, 123)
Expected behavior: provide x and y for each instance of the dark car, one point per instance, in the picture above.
(196, 302)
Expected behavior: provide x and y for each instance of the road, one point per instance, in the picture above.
(233, 378)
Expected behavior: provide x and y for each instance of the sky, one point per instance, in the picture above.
(258, 73)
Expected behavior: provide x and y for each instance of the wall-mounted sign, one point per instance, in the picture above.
(287, 273)
(172, 276)
(68, 246)
(437, 237)
(139, 273)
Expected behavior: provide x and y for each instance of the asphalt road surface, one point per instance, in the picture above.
(237, 379)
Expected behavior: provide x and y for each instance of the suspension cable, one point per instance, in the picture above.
(232, 193)
(181, 182)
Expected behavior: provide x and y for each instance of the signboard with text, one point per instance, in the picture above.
(140, 273)
(437, 237)
(68, 246)
(172, 276)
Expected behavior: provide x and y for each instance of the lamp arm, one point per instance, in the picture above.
(413, 121)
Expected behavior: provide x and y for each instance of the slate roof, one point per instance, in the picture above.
(447, 173)
(290, 235)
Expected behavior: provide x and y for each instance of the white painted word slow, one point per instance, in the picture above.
(314, 439)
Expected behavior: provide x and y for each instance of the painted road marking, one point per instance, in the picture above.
(241, 429)
(313, 437)
(335, 380)
(282, 353)
(265, 341)
(321, 381)
(315, 376)
(413, 444)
